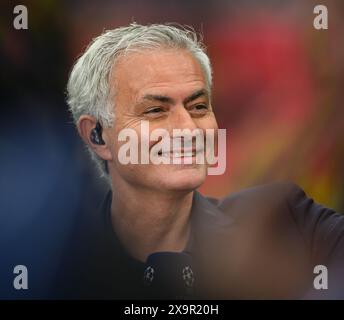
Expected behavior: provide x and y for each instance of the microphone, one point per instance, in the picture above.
(169, 275)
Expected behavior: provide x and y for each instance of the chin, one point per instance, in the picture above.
(184, 180)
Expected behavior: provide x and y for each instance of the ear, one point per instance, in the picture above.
(85, 125)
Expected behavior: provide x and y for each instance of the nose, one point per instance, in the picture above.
(180, 118)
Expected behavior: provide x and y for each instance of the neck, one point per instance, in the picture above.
(148, 221)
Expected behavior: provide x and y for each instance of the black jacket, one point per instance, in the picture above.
(259, 243)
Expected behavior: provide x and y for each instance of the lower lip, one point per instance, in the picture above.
(182, 159)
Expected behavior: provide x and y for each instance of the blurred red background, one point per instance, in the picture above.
(278, 90)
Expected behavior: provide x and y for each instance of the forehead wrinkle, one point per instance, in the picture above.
(163, 94)
(157, 75)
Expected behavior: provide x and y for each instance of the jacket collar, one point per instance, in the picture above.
(206, 220)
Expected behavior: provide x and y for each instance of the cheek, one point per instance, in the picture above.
(213, 122)
(207, 122)
(127, 146)
(114, 144)
(210, 131)
(209, 128)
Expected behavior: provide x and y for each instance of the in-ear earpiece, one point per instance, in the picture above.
(96, 134)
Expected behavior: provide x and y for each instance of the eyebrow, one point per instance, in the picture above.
(166, 99)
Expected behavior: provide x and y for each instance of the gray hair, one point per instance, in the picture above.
(88, 89)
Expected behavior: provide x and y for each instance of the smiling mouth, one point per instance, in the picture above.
(179, 154)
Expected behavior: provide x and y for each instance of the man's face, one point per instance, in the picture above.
(168, 89)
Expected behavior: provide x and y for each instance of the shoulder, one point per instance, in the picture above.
(260, 242)
(271, 192)
(284, 201)
(273, 198)
(286, 209)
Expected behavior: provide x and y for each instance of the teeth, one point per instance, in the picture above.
(178, 154)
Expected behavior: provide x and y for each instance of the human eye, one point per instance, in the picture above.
(154, 111)
(199, 109)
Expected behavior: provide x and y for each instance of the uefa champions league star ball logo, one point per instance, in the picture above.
(148, 276)
(188, 276)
